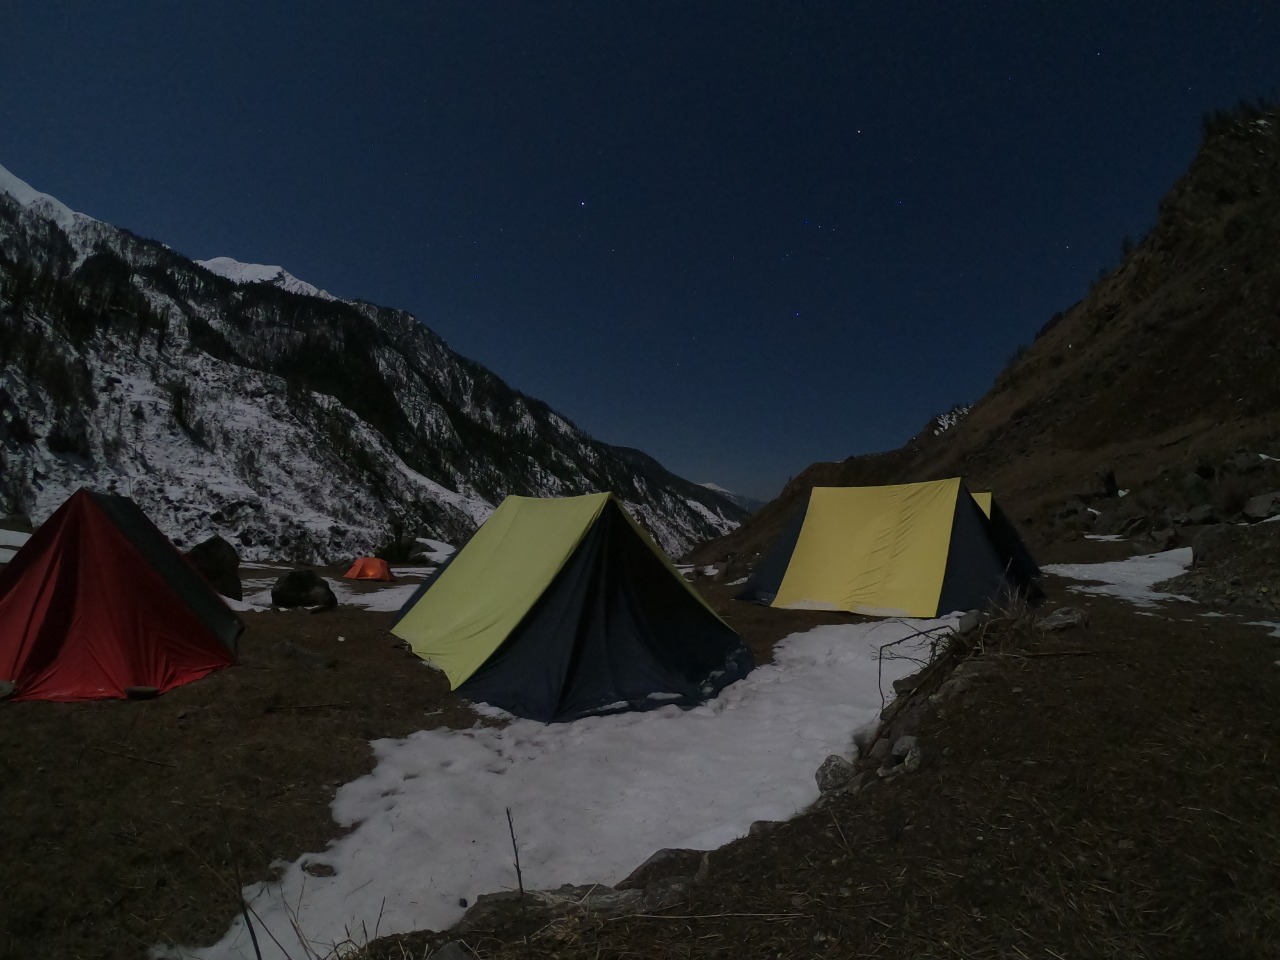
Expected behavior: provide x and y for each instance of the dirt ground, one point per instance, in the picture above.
(1113, 792)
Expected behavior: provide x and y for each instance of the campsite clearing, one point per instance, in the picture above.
(1126, 763)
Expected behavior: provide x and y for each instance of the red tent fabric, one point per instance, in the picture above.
(369, 568)
(98, 601)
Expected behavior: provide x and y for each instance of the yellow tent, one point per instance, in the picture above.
(912, 549)
(561, 608)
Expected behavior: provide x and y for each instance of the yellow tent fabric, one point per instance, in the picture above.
(507, 566)
(880, 551)
(984, 501)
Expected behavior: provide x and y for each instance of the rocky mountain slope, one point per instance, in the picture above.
(236, 399)
(1164, 381)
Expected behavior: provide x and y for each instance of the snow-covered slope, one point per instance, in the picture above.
(260, 273)
(238, 400)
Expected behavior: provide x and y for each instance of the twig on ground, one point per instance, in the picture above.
(132, 756)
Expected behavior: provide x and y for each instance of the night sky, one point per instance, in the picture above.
(739, 236)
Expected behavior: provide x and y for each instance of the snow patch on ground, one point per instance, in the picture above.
(1130, 579)
(591, 800)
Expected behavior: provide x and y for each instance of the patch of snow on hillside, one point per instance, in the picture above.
(590, 800)
(1130, 579)
(945, 421)
(277, 276)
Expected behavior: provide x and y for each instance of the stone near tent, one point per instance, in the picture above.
(1201, 515)
(218, 562)
(834, 773)
(1263, 507)
(453, 950)
(303, 588)
(1212, 543)
(669, 863)
(1064, 618)
(1126, 517)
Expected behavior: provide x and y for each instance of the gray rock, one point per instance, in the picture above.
(952, 690)
(492, 910)
(904, 745)
(667, 863)
(1162, 540)
(969, 622)
(911, 762)
(834, 773)
(1064, 618)
(974, 669)
(904, 685)
(1263, 506)
(880, 751)
(1201, 515)
(303, 588)
(453, 950)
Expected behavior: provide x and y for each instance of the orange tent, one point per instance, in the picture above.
(369, 568)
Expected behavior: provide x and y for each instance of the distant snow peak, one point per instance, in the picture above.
(277, 276)
(41, 203)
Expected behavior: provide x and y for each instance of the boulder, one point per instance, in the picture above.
(1064, 618)
(1263, 507)
(217, 561)
(303, 588)
(834, 773)
(1212, 543)
(1201, 515)
(668, 863)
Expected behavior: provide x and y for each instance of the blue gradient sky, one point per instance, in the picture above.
(739, 236)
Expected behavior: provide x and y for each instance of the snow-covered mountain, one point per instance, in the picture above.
(750, 504)
(260, 273)
(236, 399)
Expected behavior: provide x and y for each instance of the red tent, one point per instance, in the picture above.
(369, 568)
(98, 601)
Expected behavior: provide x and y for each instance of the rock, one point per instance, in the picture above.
(1212, 543)
(1064, 618)
(904, 685)
(453, 950)
(1162, 540)
(835, 772)
(911, 720)
(909, 753)
(303, 588)
(975, 669)
(880, 751)
(969, 622)
(667, 863)
(1126, 517)
(1201, 515)
(494, 910)
(952, 690)
(1263, 506)
(1106, 481)
(217, 561)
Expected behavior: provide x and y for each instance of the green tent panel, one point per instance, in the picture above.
(914, 549)
(562, 608)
